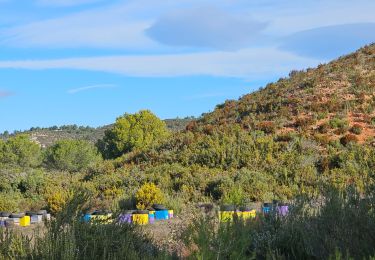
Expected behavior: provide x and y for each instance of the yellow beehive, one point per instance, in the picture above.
(102, 218)
(140, 219)
(25, 221)
(226, 216)
(248, 214)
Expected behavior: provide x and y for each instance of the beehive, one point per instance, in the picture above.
(16, 221)
(107, 218)
(151, 218)
(87, 218)
(36, 219)
(161, 215)
(125, 217)
(248, 214)
(25, 221)
(226, 216)
(140, 219)
(2, 223)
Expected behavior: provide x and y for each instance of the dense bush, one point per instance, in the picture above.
(19, 150)
(132, 131)
(148, 195)
(71, 155)
(340, 226)
(338, 123)
(356, 129)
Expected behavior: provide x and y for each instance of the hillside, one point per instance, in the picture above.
(48, 136)
(326, 103)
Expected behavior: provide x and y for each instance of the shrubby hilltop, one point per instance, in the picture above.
(326, 103)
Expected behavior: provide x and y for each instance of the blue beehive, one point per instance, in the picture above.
(266, 208)
(87, 218)
(161, 215)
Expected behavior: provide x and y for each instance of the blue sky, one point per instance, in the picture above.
(86, 62)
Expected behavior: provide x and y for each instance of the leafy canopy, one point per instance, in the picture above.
(131, 132)
(21, 151)
(71, 155)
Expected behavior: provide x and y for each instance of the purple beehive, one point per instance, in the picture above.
(125, 218)
(283, 210)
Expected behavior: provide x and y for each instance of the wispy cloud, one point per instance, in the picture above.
(76, 90)
(255, 63)
(105, 27)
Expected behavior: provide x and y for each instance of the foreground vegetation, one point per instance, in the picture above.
(67, 237)
(340, 225)
(288, 140)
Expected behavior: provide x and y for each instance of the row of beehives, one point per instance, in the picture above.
(23, 219)
(137, 217)
(228, 212)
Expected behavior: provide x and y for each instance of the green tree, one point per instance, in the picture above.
(71, 155)
(132, 131)
(20, 150)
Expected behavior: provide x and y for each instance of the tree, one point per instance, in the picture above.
(132, 131)
(20, 150)
(71, 155)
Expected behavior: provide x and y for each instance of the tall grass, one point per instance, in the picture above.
(340, 226)
(68, 238)
(335, 226)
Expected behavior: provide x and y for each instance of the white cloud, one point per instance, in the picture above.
(80, 89)
(248, 64)
(122, 25)
(111, 27)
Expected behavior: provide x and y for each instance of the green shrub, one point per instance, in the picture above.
(148, 195)
(57, 199)
(19, 150)
(131, 132)
(308, 232)
(356, 129)
(338, 123)
(71, 155)
(234, 196)
(9, 202)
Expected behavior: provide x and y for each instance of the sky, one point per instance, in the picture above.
(87, 62)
